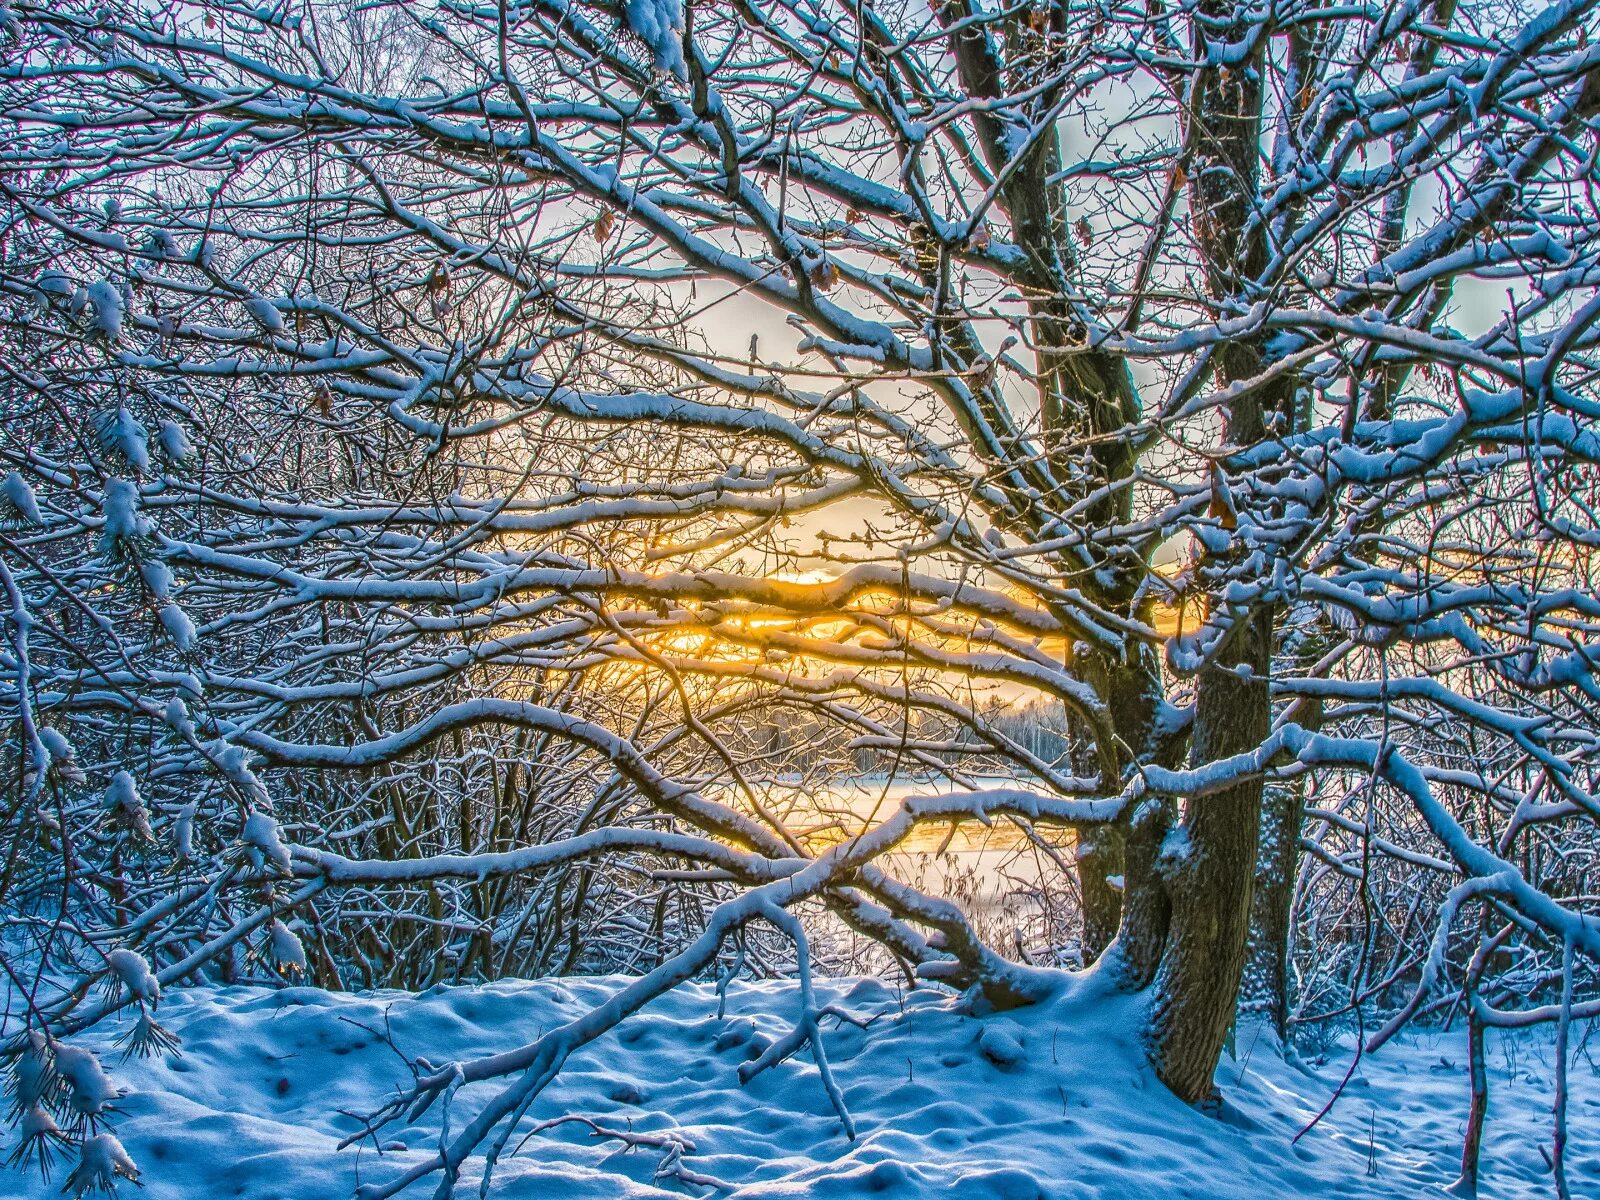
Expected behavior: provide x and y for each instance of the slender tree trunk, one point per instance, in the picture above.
(1108, 865)
(1098, 856)
(1147, 909)
(1477, 1065)
(1266, 975)
(1265, 986)
(1472, 1141)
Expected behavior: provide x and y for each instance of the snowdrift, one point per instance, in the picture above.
(1047, 1103)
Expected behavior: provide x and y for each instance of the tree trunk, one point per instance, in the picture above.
(1265, 987)
(1108, 866)
(1266, 973)
(1146, 908)
(1098, 857)
(1210, 870)
(1472, 1141)
(1209, 866)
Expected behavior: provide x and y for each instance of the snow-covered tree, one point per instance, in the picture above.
(447, 440)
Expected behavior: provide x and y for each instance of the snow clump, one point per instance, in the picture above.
(174, 441)
(121, 432)
(19, 498)
(121, 511)
(179, 628)
(659, 24)
(1001, 1044)
(266, 314)
(261, 835)
(134, 972)
(102, 1163)
(287, 951)
(63, 760)
(124, 805)
(108, 309)
(90, 1092)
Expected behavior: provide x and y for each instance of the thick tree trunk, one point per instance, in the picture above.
(1210, 870)
(1209, 866)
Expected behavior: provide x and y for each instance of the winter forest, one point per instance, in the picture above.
(991, 599)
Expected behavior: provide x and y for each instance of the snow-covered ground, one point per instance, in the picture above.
(254, 1106)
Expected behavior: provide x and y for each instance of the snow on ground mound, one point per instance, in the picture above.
(1046, 1103)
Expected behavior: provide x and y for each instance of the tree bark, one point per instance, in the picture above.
(1265, 986)
(1472, 1141)
(1098, 857)
(1146, 909)
(1209, 866)
(1210, 871)
(1132, 692)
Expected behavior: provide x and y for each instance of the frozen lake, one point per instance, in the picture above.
(991, 870)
